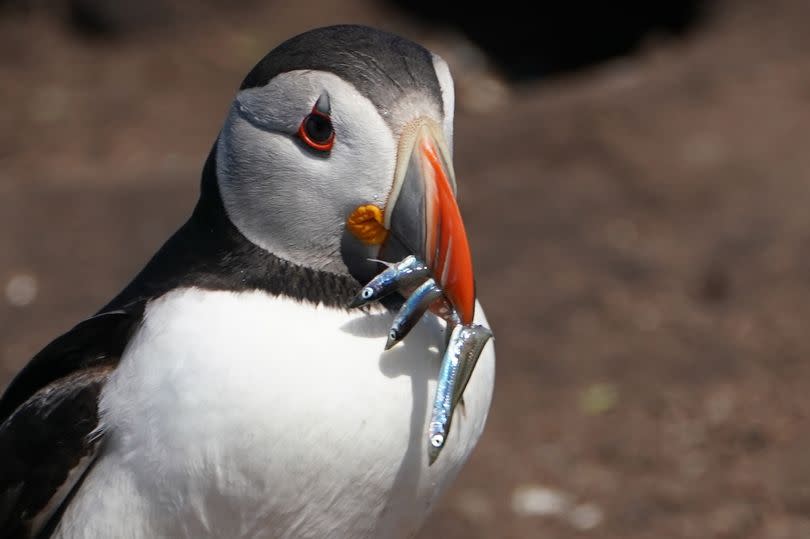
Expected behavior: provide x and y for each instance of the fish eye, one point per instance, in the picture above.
(367, 292)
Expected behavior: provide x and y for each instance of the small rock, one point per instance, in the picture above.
(599, 398)
(536, 500)
(586, 516)
(21, 290)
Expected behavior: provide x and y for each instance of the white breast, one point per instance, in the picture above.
(246, 415)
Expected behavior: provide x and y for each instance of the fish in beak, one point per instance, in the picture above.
(422, 219)
(424, 246)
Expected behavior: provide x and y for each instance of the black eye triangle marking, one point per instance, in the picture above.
(322, 105)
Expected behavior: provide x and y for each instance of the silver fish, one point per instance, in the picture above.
(463, 347)
(460, 357)
(409, 272)
(412, 310)
(480, 335)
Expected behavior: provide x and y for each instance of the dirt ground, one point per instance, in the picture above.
(640, 230)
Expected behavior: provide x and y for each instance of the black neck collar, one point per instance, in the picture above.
(209, 252)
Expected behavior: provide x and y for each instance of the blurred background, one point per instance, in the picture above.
(635, 178)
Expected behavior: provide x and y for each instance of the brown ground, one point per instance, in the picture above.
(641, 234)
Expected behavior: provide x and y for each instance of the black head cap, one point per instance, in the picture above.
(382, 66)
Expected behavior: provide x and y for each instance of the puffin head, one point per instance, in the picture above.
(337, 153)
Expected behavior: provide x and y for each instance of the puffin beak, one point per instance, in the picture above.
(423, 219)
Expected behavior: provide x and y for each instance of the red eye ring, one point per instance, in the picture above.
(316, 131)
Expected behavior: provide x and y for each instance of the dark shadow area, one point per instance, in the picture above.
(527, 40)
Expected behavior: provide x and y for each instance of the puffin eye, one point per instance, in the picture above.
(316, 129)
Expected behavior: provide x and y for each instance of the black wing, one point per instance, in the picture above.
(50, 432)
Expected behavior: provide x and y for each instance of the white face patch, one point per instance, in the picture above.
(288, 198)
(292, 200)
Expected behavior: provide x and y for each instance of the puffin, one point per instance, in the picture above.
(229, 390)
